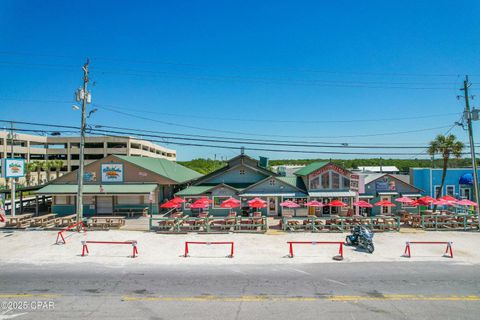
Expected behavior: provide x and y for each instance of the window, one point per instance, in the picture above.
(217, 201)
(242, 172)
(315, 183)
(335, 180)
(272, 182)
(465, 193)
(346, 183)
(451, 191)
(325, 180)
(436, 189)
(61, 200)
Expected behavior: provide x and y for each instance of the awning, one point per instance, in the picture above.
(411, 195)
(286, 194)
(388, 193)
(366, 196)
(332, 194)
(96, 189)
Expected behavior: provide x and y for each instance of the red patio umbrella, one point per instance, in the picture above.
(289, 204)
(404, 200)
(426, 199)
(337, 203)
(201, 201)
(466, 202)
(448, 198)
(443, 202)
(314, 203)
(177, 200)
(257, 203)
(385, 203)
(170, 205)
(230, 203)
(205, 200)
(198, 205)
(362, 204)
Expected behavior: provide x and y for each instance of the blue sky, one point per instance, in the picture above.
(216, 65)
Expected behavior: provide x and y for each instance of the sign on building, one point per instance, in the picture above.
(357, 183)
(13, 168)
(112, 172)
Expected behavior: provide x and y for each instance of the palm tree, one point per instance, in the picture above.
(38, 168)
(446, 146)
(46, 166)
(31, 166)
(57, 165)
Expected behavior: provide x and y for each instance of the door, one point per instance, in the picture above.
(386, 210)
(465, 193)
(272, 208)
(104, 205)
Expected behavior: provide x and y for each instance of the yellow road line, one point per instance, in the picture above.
(262, 298)
(28, 295)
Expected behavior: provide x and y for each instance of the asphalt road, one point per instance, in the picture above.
(410, 290)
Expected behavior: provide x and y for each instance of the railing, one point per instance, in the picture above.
(340, 224)
(449, 222)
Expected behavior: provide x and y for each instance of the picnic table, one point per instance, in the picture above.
(65, 220)
(19, 221)
(45, 221)
(106, 222)
(130, 212)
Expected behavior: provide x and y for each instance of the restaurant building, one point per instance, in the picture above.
(119, 182)
(245, 178)
(375, 187)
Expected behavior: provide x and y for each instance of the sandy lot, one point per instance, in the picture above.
(39, 248)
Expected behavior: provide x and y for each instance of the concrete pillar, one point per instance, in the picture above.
(36, 205)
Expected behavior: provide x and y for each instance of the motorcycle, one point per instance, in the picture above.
(361, 237)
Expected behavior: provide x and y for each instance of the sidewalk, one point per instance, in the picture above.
(39, 248)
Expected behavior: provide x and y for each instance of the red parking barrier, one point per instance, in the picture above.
(340, 243)
(447, 250)
(131, 242)
(209, 243)
(60, 233)
(2, 218)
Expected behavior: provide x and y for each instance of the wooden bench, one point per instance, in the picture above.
(45, 221)
(19, 221)
(106, 222)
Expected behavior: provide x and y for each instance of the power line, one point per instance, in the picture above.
(266, 135)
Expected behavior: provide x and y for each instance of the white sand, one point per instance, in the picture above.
(37, 247)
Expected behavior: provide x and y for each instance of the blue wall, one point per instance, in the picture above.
(427, 178)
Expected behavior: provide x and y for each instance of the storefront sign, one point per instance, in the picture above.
(328, 168)
(112, 172)
(13, 168)
(385, 184)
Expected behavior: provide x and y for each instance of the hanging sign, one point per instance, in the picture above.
(13, 168)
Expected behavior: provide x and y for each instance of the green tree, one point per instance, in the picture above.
(445, 146)
(57, 165)
(38, 169)
(30, 167)
(46, 166)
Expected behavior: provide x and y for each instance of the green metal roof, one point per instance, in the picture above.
(293, 181)
(164, 167)
(95, 188)
(193, 190)
(314, 166)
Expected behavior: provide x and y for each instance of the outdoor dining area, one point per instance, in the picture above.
(49, 220)
(336, 223)
(448, 213)
(175, 221)
(419, 215)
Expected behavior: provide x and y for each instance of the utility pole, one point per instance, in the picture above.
(468, 115)
(12, 180)
(82, 95)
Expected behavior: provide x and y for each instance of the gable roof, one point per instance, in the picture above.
(372, 177)
(163, 167)
(228, 167)
(314, 166)
(286, 181)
